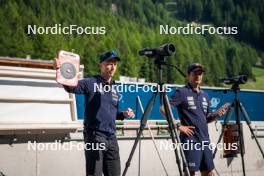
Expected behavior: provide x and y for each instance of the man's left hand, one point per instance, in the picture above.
(129, 113)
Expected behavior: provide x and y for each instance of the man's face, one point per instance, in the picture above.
(108, 68)
(195, 77)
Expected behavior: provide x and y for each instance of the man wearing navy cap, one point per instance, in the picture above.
(193, 104)
(101, 111)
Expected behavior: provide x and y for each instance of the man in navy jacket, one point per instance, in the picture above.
(193, 107)
(101, 111)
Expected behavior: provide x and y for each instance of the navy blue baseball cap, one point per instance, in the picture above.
(195, 67)
(108, 56)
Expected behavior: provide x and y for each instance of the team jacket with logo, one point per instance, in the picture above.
(101, 105)
(193, 109)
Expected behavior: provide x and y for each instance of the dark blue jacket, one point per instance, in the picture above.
(101, 107)
(193, 109)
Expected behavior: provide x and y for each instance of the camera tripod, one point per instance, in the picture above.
(238, 108)
(169, 117)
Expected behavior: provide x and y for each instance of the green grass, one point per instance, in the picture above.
(259, 84)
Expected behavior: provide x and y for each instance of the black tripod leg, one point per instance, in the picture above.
(142, 126)
(237, 109)
(243, 110)
(172, 134)
(139, 147)
(175, 136)
(227, 117)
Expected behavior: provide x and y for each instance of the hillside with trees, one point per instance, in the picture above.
(130, 26)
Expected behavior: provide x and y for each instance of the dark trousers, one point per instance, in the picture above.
(101, 155)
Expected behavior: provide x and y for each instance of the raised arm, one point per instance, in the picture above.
(81, 88)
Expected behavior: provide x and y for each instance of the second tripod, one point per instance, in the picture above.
(238, 108)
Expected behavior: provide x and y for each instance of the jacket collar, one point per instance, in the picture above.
(99, 77)
(189, 86)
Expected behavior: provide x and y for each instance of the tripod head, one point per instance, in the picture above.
(235, 88)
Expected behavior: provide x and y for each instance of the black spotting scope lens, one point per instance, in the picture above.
(240, 79)
(164, 50)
